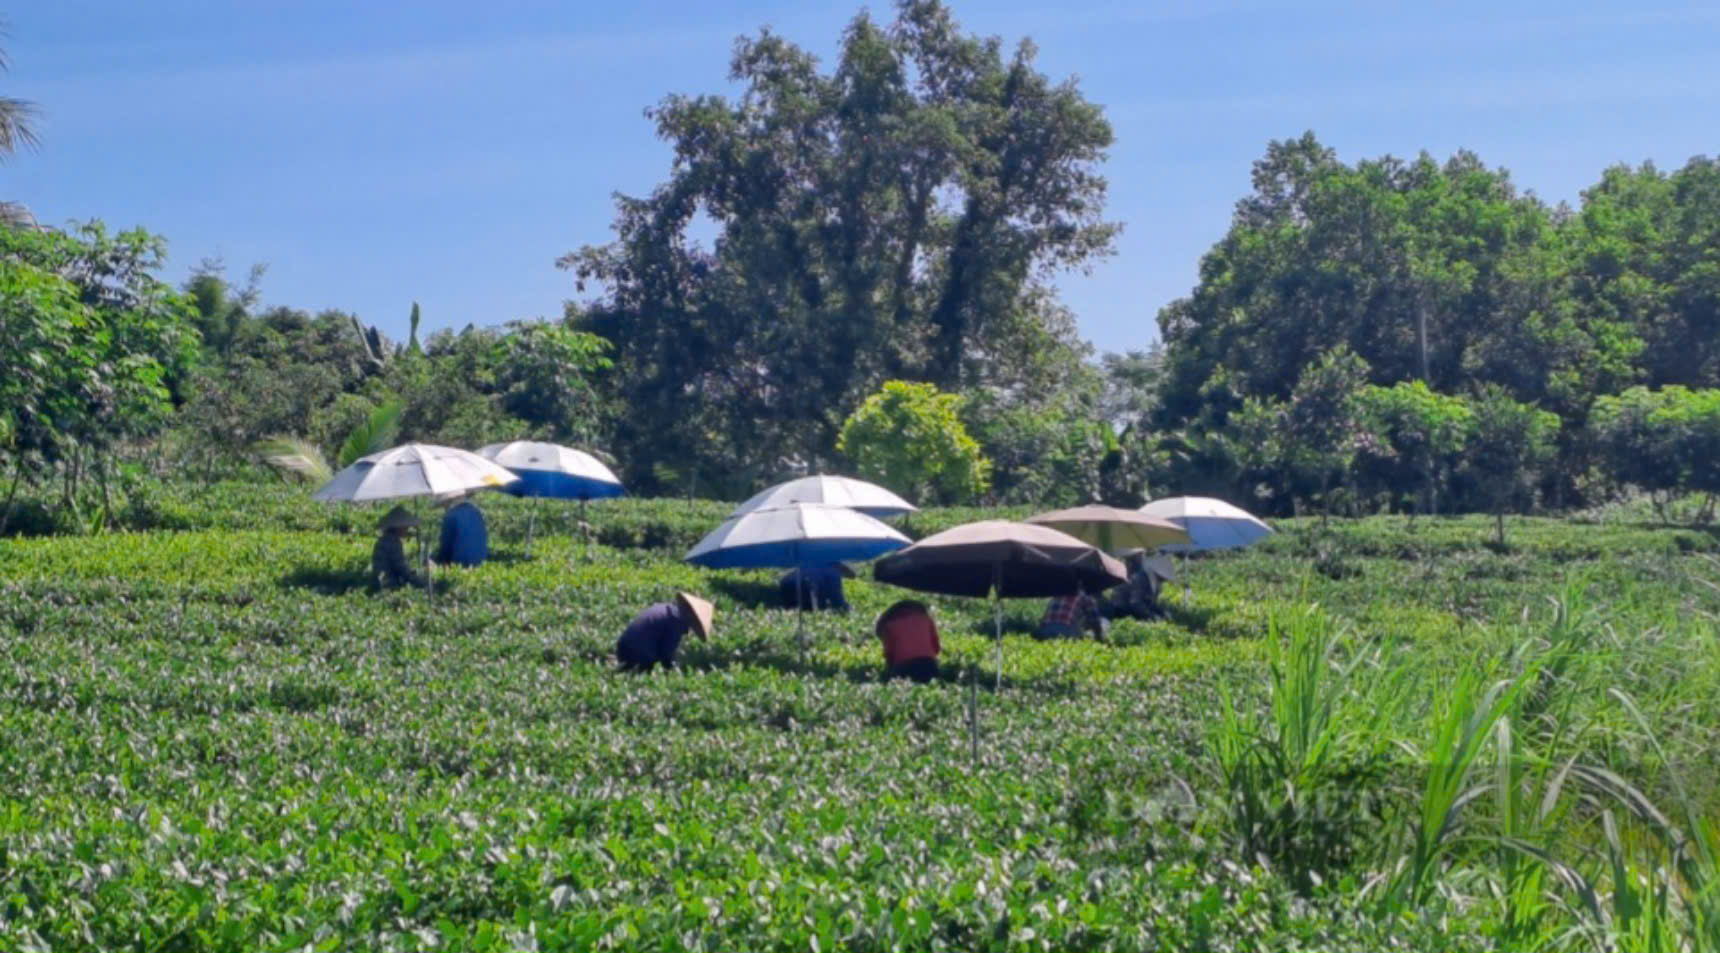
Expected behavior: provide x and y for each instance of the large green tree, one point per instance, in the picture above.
(1645, 252)
(890, 217)
(1430, 271)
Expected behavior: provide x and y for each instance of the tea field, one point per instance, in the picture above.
(1370, 735)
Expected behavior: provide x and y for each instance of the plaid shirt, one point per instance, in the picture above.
(1070, 610)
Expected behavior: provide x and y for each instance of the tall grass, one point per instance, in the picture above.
(1496, 791)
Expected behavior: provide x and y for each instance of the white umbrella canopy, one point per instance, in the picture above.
(795, 536)
(868, 498)
(552, 470)
(1211, 523)
(413, 469)
(799, 534)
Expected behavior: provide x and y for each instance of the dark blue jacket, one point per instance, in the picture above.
(654, 636)
(465, 538)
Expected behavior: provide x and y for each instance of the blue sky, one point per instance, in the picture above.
(374, 153)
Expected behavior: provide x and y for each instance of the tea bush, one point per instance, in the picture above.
(219, 738)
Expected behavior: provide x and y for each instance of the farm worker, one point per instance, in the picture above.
(465, 539)
(910, 640)
(388, 563)
(1139, 597)
(815, 587)
(1071, 617)
(654, 635)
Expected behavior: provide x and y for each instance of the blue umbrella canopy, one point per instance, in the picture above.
(553, 471)
(793, 536)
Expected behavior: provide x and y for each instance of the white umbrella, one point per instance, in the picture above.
(554, 471)
(796, 536)
(868, 498)
(413, 469)
(1211, 524)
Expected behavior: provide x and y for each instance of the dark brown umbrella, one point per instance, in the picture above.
(999, 557)
(1112, 529)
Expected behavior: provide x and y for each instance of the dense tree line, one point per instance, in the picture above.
(1413, 335)
(1444, 274)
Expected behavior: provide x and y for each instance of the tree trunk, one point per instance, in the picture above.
(107, 503)
(12, 493)
(1499, 517)
(1421, 336)
(1432, 487)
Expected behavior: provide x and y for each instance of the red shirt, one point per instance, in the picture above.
(909, 635)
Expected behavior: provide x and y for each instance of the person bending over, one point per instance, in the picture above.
(1070, 617)
(910, 640)
(654, 636)
(388, 565)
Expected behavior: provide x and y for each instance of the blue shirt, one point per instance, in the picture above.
(654, 635)
(465, 539)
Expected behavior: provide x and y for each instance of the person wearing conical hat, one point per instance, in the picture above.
(388, 565)
(654, 636)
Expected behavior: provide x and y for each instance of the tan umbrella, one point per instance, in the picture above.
(1113, 530)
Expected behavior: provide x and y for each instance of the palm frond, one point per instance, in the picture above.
(375, 434)
(294, 456)
(15, 129)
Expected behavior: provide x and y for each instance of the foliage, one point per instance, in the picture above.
(1397, 259)
(1049, 442)
(1309, 442)
(95, 348)
(1511, 445)
(1422, 435)
(910, 438)
(1664, 441)
(376, 434)
(544, 377)
(896, 216)
(295, 456)
(1646, 250)
(221, 309)
(217, 739)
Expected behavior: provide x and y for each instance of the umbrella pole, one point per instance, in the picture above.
(997, 623)
(424, 551)
(582, 527)
(531, 525)
(800, 602)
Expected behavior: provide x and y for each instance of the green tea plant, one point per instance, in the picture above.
(214, 736)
